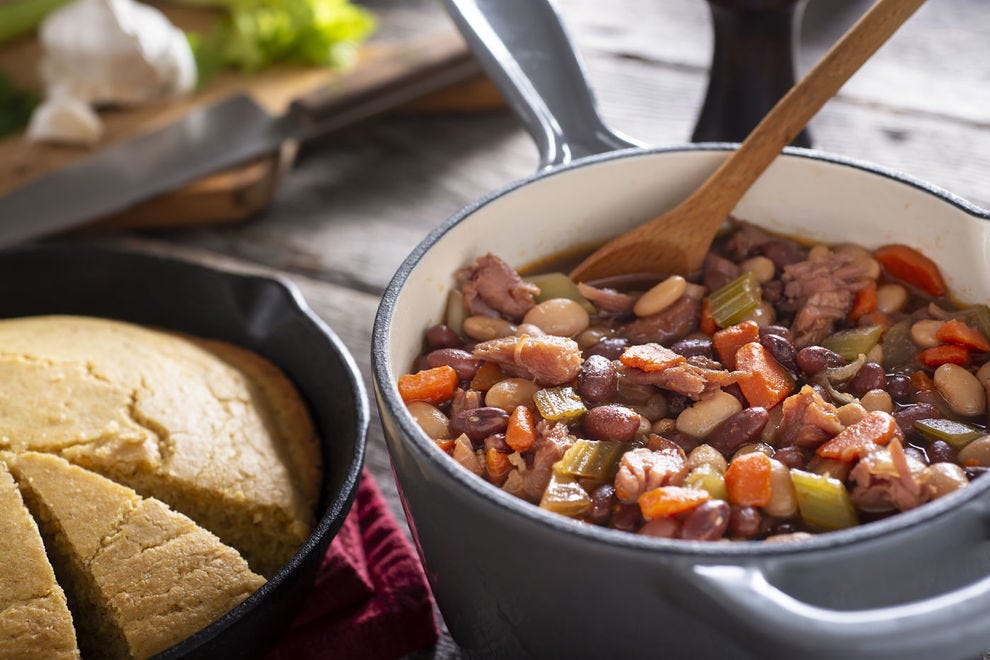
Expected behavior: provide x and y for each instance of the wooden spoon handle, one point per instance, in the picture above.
(724, 188)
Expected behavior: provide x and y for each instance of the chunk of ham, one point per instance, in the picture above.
(547, 359)
(807, 420)
(665, 327)
(493, 288)
(822, 290)
(642, 470)
(464, 400)
(528, 479)
(663, 368)
(607, 300)
(888, 479)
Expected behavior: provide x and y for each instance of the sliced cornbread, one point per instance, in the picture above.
(34, 619)
(211, 429)
(140, 576)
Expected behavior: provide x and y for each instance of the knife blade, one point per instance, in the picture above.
(213, 138)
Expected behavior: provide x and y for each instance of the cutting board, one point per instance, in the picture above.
(238, 193)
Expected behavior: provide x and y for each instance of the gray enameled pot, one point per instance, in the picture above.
(515, 581)
(261, 313)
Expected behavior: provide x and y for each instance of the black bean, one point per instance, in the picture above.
(602, 499)
(940, 451)
(609, 347)
(908, 415)
(744, 522)
(869, 377)
(900, 389)
(699, 346)
(611, 422)
(707, 522)
(459, 360)
(632, 394)
(783, 528)
(743, 427)
(781, 252)
(815, 359)
(772, 291)
(974, 471)
(736, 391)
(479, 423)
(676, 403)
(598, 379)
(682, 440)
(782, 351)
(793, 457)
(440, 336)
(778, 330)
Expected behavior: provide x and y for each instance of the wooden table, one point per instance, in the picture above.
(353, 208)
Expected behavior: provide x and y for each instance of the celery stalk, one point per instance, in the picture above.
(564, 495)
(591, 459)
(559, 285)
(21, 16)
(559, 404)
(730, 304)
(956, 434)
(706, 477)
(823, 502)
(899, 352)
(851, 343)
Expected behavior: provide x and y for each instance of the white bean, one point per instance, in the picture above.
(433, 422)
(891, 298)
(783, 498)
(706, 455)
(983, 374)
(694, 291)
(923, 333)
(961, 390)
(700, 419)
(976, 452)
(528, 329)
(484, 328)
(877, 400)
(593, 335)
(661, 296)
(943, 478)
(558, 316)
(762, 315)
(511, 392)
(761, 267)
(851, 413)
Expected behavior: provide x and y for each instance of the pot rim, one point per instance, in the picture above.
(392, 405)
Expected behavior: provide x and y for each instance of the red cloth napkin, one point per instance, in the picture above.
(370, 599)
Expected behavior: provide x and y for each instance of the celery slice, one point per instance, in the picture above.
(559, 285)
(899, 352)
(955, 433)
(977, 316)
(564, 495)
(730, 304)
(591, 459)
(851, 343)
(708, 478)
(823, 501)
(559, 404)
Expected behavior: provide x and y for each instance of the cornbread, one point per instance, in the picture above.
(34, 619)
(208, 428)
(140, 576)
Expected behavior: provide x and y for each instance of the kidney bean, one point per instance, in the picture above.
(479, 423)
(783, 528)
(744, 522)
(661, 528)
(917, 453)
(772, 292)
(940, 451)
(632, 394)
(694, 347)
(598, 379)
(781, 252)
(707, 522)
(974, 471)
(676, 403)
(869, 377)
(611, 422)
(627, 517)
(779, 330)
(782, 351)
(815, 359)
(602, 499)
(440, 336)
(684, 441)
(742, 427)
(908, 415)
(459, 360)
(610, 347)
(900, 389)
(793, 457)
(497, 442)
(736, 391)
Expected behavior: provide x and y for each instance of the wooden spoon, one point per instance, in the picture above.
(676, 242)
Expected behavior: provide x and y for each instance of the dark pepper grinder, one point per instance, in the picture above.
(752, 66)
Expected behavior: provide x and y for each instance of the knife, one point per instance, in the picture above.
(213, 138)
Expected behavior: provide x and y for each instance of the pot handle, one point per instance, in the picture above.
(928, 628)
(525, 50)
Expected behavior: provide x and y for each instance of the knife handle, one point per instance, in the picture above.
(406, 74)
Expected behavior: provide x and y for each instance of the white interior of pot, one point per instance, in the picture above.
(798, 196)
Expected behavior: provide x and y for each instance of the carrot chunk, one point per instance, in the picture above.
(909, 265)
(431, 385)
(955, 331)
(487, 375)
(497, 466)
(922, 381)
(445, 445)
(520, 434)
(766, 383)
(670, 500)
(748, 479)
(874, 430)
(708, 324)
(731, 339)
(936, 356)
(865, 301)
(650, 357)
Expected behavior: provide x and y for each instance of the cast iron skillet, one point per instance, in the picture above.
(515, 581)
(265, 314)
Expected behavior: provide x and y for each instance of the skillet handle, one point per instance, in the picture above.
(525, 50)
